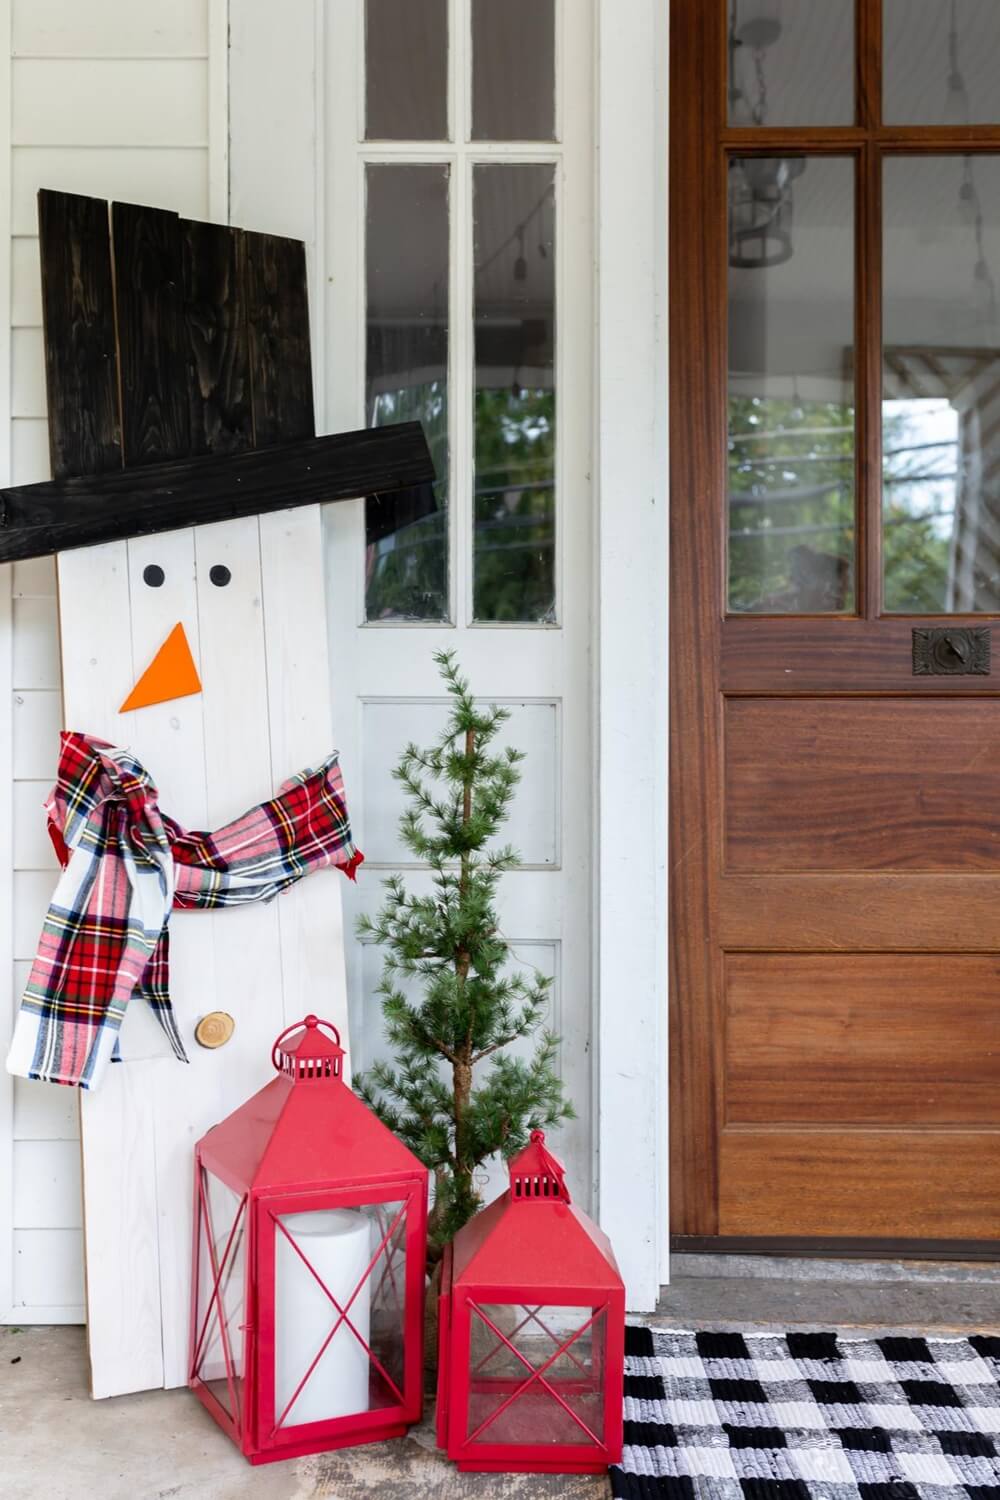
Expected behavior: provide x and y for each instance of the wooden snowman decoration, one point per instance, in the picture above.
(203, 649)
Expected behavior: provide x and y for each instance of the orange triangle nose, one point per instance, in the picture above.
(171, 674)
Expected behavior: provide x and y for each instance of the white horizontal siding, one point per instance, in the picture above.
(119, 103)
(110, 28)
(110, 98)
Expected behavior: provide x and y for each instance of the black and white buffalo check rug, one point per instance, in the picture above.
(732, 1416)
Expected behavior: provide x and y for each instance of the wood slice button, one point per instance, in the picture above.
(215, 1029)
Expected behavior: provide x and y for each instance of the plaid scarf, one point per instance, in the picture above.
(125, 865)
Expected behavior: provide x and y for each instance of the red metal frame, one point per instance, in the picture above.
(533, 1230)
(285, 1152)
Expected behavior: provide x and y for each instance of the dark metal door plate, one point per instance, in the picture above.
(952, 651)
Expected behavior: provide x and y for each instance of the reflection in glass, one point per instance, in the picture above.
(941, 62)
(406, 70)
(791, 395)
(515, 397)
(941, 385)
(513, 70)
(564, 1403)
(791, 62)
(407, 380)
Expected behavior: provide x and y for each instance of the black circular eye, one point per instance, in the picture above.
(153, 575)
(220, 575)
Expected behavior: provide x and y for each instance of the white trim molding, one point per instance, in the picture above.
(631, 645)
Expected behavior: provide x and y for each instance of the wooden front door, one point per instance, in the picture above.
(835, 439)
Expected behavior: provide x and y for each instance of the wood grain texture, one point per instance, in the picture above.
(862, 784)
(939, 914)
(862, 1039)
(278, 317)
(697, 484)
(79, 512)
(152, 333)
(808, 655)
(886, 1183)
(80, 349)
(217, 338)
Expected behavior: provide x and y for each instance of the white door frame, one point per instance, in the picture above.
(277, 183)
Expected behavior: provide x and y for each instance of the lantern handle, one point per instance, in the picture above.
(311, 1023)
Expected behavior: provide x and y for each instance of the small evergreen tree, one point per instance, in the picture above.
(472, 1004)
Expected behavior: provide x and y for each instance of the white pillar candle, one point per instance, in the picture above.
(337, 1243)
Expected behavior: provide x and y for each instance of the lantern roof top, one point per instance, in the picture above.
(306, 1127)
(533, 1234)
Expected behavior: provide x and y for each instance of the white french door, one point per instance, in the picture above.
(458, 271)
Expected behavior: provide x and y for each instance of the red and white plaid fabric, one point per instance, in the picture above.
(126, 865)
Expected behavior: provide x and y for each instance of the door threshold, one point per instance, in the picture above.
(824, 1248)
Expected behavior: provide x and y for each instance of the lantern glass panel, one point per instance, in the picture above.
(536, 1374)
(221, 1273)
(340, 1303)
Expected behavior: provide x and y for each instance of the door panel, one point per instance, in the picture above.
(825, 1039)
(886, 1184)
(835, 809)
(861, 784)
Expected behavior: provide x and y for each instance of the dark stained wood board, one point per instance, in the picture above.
(81, 354)
(278, 320)
(152, 333)
(219, 396)
(179, 381)
(38, 519)
(205, 336)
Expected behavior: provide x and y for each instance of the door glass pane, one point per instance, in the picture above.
(515, 396)
(513, 70)
(941, 384)
(791, 62)
(406, 70)
(942, 62)
(791, 385)
(406, 576)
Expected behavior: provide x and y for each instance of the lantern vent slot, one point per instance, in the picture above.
(310, 1067)
(537, 1187)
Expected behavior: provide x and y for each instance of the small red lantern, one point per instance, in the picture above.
(532, 1332)
(310, 1241)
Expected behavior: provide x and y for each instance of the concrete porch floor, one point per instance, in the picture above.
(57, 1444)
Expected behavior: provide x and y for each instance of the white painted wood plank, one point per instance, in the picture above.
(119, 1160)
(32, 893)
(26, 283)
(47, 1185)
(36, 644)
(161, 177)
(632, 662)
(43, 1113)
(32, 846)
(8, 994)
(298, 668)
(30, 450)
(48, 1275)
(245, 944)
(109, 28)
(37, 720)
(28, 384)
(80, 102)
(36, 575)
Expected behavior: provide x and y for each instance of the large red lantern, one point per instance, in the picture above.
(310, 1240)
(531, 1332)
